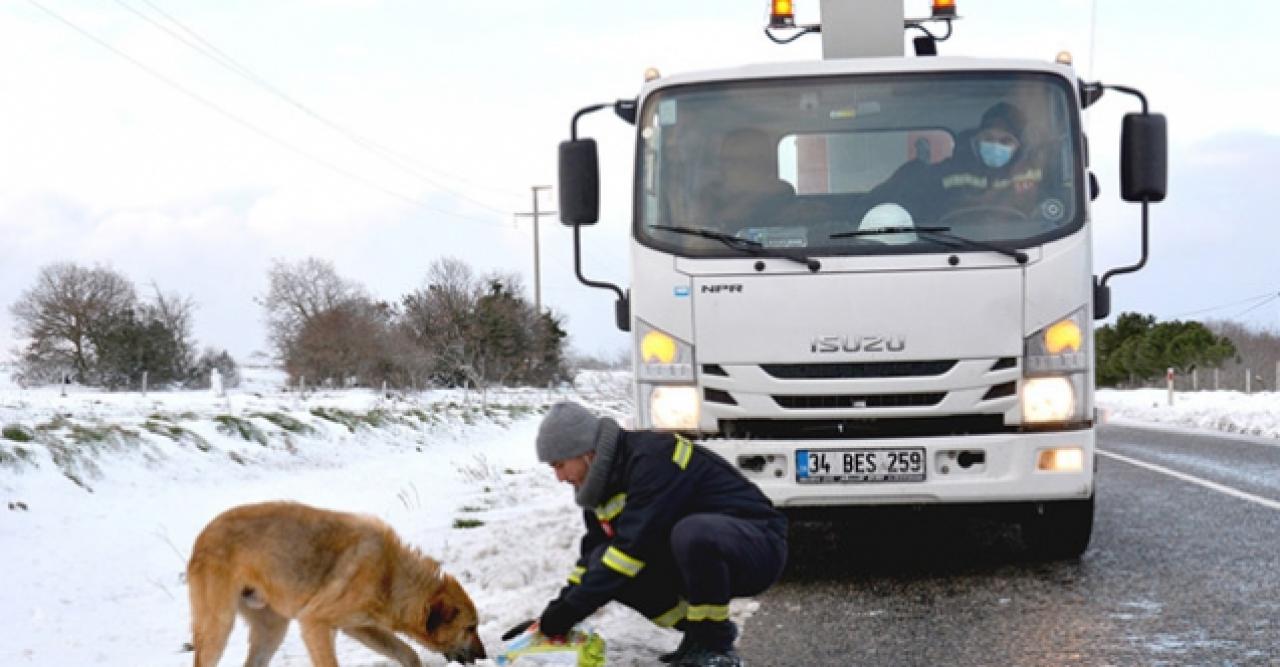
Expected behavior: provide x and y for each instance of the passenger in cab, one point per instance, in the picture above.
(994, 175)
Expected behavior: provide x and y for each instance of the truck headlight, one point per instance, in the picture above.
(661, 357)
(1057, 359)
(674, 407)
(1048, 400)
(1058, 348)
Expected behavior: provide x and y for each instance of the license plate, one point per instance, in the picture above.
(826, 466)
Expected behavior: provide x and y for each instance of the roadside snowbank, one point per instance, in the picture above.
(1255, 414)
(116, 487)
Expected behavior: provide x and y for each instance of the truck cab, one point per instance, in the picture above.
(868, 280)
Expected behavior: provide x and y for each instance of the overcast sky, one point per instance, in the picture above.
(413, 130)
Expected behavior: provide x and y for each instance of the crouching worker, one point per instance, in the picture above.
(673, 531)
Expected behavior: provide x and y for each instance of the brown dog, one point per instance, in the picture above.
(330, 571)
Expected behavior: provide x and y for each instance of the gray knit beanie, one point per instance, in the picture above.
(568, 430)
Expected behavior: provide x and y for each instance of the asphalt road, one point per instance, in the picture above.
(1183, 569)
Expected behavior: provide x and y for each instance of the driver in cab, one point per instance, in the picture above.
(991, 169)
(749, 191)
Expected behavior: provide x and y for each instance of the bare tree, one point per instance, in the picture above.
(1257, 352)
(66, 313)
(297, 292)
(176, 314)
(351, 342)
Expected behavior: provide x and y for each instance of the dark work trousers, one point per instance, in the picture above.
(714, 557)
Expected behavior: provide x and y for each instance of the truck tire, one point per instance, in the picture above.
(1058, 530)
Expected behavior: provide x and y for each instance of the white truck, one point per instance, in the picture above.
(868, 280)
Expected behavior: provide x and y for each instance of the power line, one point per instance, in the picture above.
(1257, 305)
(1228, 305)
(206, 48)
(609, 250)
(250, 126)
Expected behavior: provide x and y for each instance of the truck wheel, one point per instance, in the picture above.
(1058, 530)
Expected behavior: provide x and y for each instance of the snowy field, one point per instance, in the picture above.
(104, 493)
(116, 487)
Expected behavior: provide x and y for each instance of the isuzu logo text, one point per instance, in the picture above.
(857, 344)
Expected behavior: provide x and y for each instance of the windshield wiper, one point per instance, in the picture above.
(938, 235)
(745, 245)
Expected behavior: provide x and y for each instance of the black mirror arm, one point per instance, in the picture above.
(1145, 227)
(626, 109)
(1130, 91)
(577, 267)
(573, 125)
(1141, 262)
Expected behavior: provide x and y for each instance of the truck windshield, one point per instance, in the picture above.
(800, 164)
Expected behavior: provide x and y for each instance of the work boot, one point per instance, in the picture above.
(701, 656)
(676, 655)
(698, 636)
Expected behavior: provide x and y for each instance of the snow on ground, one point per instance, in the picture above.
(1255, 414)
(114, 488)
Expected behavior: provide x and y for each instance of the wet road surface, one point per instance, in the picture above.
(1183, 569)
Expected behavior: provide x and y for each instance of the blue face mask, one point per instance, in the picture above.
(995, 155)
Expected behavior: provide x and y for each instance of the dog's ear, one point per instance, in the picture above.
(439, 614)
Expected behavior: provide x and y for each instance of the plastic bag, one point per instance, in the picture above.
(582, 647)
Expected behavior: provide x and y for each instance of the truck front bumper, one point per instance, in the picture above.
(1007, 470)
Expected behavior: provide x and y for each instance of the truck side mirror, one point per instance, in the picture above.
(579, 182)
(1144, 164)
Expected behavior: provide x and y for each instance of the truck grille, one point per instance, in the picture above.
(859, 401)
(871, 369)
(818, 429)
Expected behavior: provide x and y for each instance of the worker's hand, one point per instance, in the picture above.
(517, 629)
(558, 618)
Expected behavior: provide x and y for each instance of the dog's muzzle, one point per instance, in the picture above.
(469, 654)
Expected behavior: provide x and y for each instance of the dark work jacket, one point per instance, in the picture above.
(656, 479)
(1029, 184)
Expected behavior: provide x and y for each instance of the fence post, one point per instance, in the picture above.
(144, 383)
(1195, 380)
(1248, 380)
(1216, 373)
(1168, 376)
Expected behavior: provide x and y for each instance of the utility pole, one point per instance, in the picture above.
(537, 267)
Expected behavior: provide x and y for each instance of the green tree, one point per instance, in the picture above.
(1138, 348)
(481, 331)
(133, 343)
(1117, 345)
